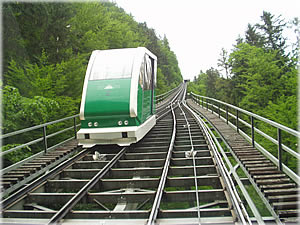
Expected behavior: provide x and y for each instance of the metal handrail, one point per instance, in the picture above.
(45, 136)
(273, 123)
(36, 127)
(215, 104)
(163, 96)
(44, 129)
(274, 141)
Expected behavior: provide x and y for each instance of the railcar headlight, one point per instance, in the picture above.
(90, 124)
(126, 122)
(120, 123)
(96, 124)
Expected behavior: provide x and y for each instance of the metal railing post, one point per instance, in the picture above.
(75, 129)
(45, 138)
(279, 149)
(237, 121)
(284, 151)
(226, 114)
(212, 107)
(252, 131)
(219, 110)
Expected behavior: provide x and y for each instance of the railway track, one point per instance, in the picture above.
(279, 192)
(28, 171)
(22, 174)
(174, 175)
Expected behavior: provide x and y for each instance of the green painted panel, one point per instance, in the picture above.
(107, 98)
(146, 104)
(140, 103)
(154, 102)
(109, 106)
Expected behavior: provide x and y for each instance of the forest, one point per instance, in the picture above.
(259, 74)
(47, 47)
(45, 55)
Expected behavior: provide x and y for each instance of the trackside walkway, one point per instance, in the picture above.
(277, 188)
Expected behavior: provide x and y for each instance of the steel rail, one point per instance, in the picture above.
(236, 201)
(84, 190)
(172, 98)
(194, 165)
(29, 188)
(261, 195)
(232, 170)
(170, 104)
(160, 189)
(25, 190)
(166, 94)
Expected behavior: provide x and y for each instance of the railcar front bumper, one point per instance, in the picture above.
(123, 136)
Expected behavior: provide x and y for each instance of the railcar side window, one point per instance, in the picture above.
(148, 73)
(142, 74)
(109, 65)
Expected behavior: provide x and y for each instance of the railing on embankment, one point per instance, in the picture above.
(162, 97)
(41, 143)
(38, 136)
(251, 125)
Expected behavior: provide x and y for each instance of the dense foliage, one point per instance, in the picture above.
(259, 75)
(46, 51)
(47, 47)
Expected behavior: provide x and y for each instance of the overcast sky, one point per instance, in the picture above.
(197, 30)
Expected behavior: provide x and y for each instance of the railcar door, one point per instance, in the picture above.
(149, 85)
(152, 86)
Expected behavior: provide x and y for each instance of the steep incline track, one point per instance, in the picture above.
(171, 176)
(277, 188)
(22, 175)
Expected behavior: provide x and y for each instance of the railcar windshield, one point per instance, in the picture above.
(112, 64)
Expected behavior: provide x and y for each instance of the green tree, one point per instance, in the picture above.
(258, 74)
(198, 86)
(212, 77)
(224, 63)
(21, 112)
(38, 26)
(49, 45)
(252, 36)
(272, 32)
(14, 43)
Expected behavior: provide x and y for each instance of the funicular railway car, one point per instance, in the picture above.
(118, 104)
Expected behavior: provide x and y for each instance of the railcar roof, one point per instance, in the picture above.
(115, 63)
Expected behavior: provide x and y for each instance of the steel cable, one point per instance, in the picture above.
(192, 154)
(237, 203)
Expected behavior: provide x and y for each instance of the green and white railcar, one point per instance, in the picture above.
(118, 104)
